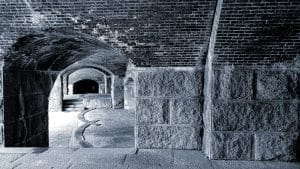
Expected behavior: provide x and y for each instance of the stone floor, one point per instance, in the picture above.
(69, 129)
(122, 158)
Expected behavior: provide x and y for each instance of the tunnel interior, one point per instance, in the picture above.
(85, 86)
(33, 76)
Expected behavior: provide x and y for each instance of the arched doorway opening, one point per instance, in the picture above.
(34, 66)
(85, 86)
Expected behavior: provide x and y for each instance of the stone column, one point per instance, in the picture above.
(117, 92)
(169, 108)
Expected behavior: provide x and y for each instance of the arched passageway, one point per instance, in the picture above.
(85, 86)
(31, 68)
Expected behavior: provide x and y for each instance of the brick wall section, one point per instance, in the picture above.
(152, 33)
(258, 32)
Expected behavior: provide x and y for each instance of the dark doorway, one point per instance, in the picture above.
(85, 86)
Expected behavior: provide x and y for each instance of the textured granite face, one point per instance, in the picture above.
(249, 103)
(233, 84)
(97, 102)
(276, 146)
(169, 83)
(168, 109)
(231, 145)
(186, 111)
(117, 92)
(152, 111)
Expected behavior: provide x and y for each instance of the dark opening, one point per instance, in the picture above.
(85, 86)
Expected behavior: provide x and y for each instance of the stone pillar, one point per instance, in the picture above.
(169, 108)
(1, 109)
(254, 113)
(117, 92)
(105, 84)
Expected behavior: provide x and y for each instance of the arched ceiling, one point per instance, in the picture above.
(55, 50)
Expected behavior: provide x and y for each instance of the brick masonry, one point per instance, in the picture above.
(177, 33)
(152, 33)
(258, 32)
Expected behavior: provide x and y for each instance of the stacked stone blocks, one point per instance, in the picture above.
(169, 109)
(255, 113)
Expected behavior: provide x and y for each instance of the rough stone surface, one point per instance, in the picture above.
(186, 137)
(154, 136)
(277, 117)
(169, 83)
(231, 83)
(152, 111)
(229, 145)
(117, 92)
(255, 117)
(272, 85)
(97, 102)
(232, 116)
(276, 146)
(186, 111)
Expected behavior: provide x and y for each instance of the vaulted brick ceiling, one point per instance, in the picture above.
(56, 49)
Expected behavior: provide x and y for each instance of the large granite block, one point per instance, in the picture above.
(186, 137)
(97, 102)
(186, 111)
(229, 145)
(276, 146)
(276, 117)
(239, 116)
(152, 111)
(170, 83)
(233, 83)
(272, 85)
(232, 116)
(154, 137)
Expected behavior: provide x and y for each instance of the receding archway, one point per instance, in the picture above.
(85, 86)
(32, 66)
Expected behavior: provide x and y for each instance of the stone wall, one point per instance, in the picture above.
(56, 96)
(26, 107)
(97, 101)
(129, 94)
(169, 108)
(255, 113)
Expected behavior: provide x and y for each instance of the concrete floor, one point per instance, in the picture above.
(70, 129)
(115, 135)
(122, 158)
